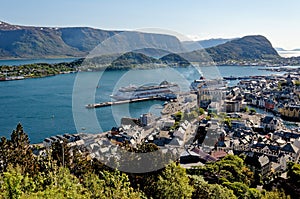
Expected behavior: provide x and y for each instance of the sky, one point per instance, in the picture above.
(278, 20)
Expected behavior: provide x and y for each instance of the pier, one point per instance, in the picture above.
(104, 104)
(244, 78)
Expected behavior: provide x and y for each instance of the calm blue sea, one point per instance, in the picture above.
(44, 105)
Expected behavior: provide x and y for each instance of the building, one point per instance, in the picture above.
(232, 106)
(260, 165)
(147, 119)
(291, 112)
(270, 123)
(292, 151)
(211, 91)
(270, 104)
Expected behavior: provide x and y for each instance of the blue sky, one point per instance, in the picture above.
(278, 20)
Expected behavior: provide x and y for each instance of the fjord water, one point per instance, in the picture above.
(44, 105)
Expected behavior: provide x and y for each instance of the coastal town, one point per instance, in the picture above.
(256, 118)
(150, 99)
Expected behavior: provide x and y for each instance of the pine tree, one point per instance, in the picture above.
(17, 151)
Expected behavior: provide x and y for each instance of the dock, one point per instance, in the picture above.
(244, 78)
(104, 104)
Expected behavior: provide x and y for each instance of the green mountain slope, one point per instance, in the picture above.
(246, 48)
(39, 42)
(133, 58)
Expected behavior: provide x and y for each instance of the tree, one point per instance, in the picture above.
(65, 185)
(209, 191)
(11, 183)
(173, 183)
(275, 195)
(61, 152)
(239, 189)
(231, 168)
(246, 109)
(253, 194)
(227, 121)
(79, 164)
(110, 185)
(178, 116)
(146, 148)
(252, 111)
(19, 138)
(201, 111)
(4, 154)
(294, 172)
(191, 115)
(17, 151)
(94, 185)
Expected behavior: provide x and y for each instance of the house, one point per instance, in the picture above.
(164, 136)
(283, 160)
(167, 123)
(270, 104)
(180, 133)
(261, 102)
(291, 150)
(219, 154)
(175, 142)
(270, 123)
(204, 157)
(260, 165)
(188, 157)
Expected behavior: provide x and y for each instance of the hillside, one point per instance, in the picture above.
(133, 58)
(246, 48)
(249, 48)
(174, 59)
(44, 42)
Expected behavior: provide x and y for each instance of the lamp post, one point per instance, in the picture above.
(63, 153)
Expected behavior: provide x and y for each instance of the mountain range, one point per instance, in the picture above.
(45, 42)
(197, 45)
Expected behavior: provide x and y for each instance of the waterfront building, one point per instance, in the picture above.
(291, 112)
(211, 91)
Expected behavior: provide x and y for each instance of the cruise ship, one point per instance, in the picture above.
(134, 92)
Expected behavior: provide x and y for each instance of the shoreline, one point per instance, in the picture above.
(37, 58)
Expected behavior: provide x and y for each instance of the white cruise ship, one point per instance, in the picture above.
(134, 92)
